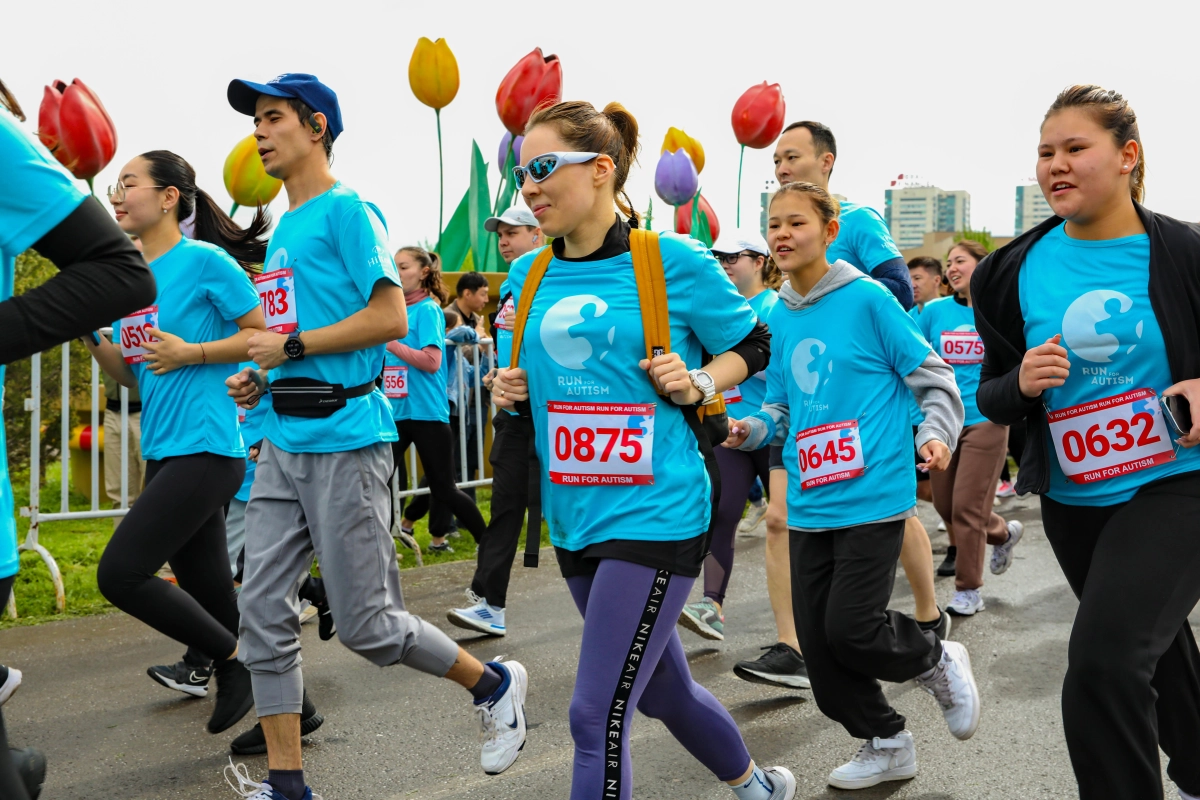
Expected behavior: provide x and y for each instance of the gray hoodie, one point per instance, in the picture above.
(932, 383)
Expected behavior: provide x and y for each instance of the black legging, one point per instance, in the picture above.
(179, 519)
(435, 447)
(11, 785)
(1016, 447)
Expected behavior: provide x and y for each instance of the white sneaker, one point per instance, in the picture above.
(942, 525)
(878, 760)
(502, 721)
(966, 603)
(256, 791)
(472, 598)
(1185, 796)
(952, 684)
(782, 779)
(308, 612)
(11, 681)
(754, 515)
(479, 617)
(1002, 554)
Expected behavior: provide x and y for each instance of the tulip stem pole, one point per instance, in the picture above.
(233, 210)
(91, 186)
(437, 112)
(741, 158)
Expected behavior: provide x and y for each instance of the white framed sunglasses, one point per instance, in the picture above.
(543, 166)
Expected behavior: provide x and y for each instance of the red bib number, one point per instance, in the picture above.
(505, 317)
(395, 382)
(277, 293)
(1115, 436)
(601, 444)
(732, 395)
(829, 453)
(135, 332)
(962, 347)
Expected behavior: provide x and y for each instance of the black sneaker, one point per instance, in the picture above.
(781, 665)
(313, 590)
(235, 697)
(183, 677)
(940, 626)
(254, 742)
(30, 764)
(946, 568)
(444, 547)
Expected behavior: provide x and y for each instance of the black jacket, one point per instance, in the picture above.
(1174, 296)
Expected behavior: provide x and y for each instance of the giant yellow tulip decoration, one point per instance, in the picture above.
(245, 179)
(678, 140)
(433, 76)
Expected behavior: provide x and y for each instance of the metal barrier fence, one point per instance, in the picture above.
(482, 353)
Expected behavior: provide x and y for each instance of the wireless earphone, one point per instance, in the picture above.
(312, 123)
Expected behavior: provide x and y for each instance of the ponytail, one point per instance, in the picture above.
(432, 282)
(613, 132)
(9, 103)
(247, 246)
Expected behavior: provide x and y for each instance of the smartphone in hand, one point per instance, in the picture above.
(1178, 412)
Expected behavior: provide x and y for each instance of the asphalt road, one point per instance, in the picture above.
(395, 734)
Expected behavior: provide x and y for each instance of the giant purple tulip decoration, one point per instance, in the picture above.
(505, 143)
(675, 178)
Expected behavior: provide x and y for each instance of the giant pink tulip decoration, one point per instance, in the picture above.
(757, 120)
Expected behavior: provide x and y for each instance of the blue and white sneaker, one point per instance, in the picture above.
(257, 791)
(502, 725)
(1002, 554)
(480, 617)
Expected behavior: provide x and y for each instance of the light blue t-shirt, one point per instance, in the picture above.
(1096, 294)
(863, 240)
(251, 420)
(38, 194)
(914, 410)
(948, 315)
(201, 291)
(506, 315)
(337, 248)
(750, 393)
(844, 360)
(427, 398)
(626, 465)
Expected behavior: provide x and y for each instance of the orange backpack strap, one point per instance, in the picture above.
(532, 280)
(652, 291)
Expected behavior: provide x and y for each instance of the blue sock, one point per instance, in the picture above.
(288, 782)
(757, 787)
(495, 677)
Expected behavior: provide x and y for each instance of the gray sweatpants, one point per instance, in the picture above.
(336, 505)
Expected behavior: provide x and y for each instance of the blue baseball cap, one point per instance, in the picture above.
(243, 95)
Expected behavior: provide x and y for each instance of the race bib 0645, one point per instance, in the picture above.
(277, 293)
(1115, 436)
(601, 444)
(135, 332)
(829, 453)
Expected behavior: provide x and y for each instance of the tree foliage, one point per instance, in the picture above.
(984, 237)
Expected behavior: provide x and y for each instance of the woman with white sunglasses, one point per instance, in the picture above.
(624, 483)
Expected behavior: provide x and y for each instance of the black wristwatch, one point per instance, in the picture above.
(293, 348)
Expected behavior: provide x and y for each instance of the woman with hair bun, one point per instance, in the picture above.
(630, 501)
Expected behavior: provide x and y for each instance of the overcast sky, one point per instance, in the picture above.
(951, 92)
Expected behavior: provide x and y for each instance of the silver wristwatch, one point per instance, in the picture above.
(704, 382)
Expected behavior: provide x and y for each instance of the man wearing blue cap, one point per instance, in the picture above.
(332, 299)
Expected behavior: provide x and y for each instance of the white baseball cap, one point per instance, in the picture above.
(517, 215)
(737, 241)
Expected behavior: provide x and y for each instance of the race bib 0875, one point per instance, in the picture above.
(601, 444)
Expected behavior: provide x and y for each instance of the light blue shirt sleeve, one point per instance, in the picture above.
(716, 313)
(228, 287)
(38, 193)
(904, 345)
(363, 246)
(871, 240)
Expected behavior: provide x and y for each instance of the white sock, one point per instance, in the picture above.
(1187, 796)
(757, 787)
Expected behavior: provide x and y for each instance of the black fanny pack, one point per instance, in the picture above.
(309, 397)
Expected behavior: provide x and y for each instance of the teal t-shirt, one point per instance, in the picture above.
(251, 420)
(839, 364)
(618, 462)
(863, 240)
(38, 194)
(201, 291)
(949, 326)
(747, 397)
(336, 246)
(1097, 295)
(427, 399)
(914, 410)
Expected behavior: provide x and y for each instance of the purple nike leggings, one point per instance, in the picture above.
(632, 657)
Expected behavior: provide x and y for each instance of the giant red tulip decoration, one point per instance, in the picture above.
(757, 120)
(73, 125)
(684, 215)
(534, 81)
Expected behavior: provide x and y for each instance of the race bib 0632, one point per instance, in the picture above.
(277, 293)
(829, 453)
(135, 332)
(962, 347)
(601, 444)
(1115, 436)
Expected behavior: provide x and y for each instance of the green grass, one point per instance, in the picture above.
(77, 544)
